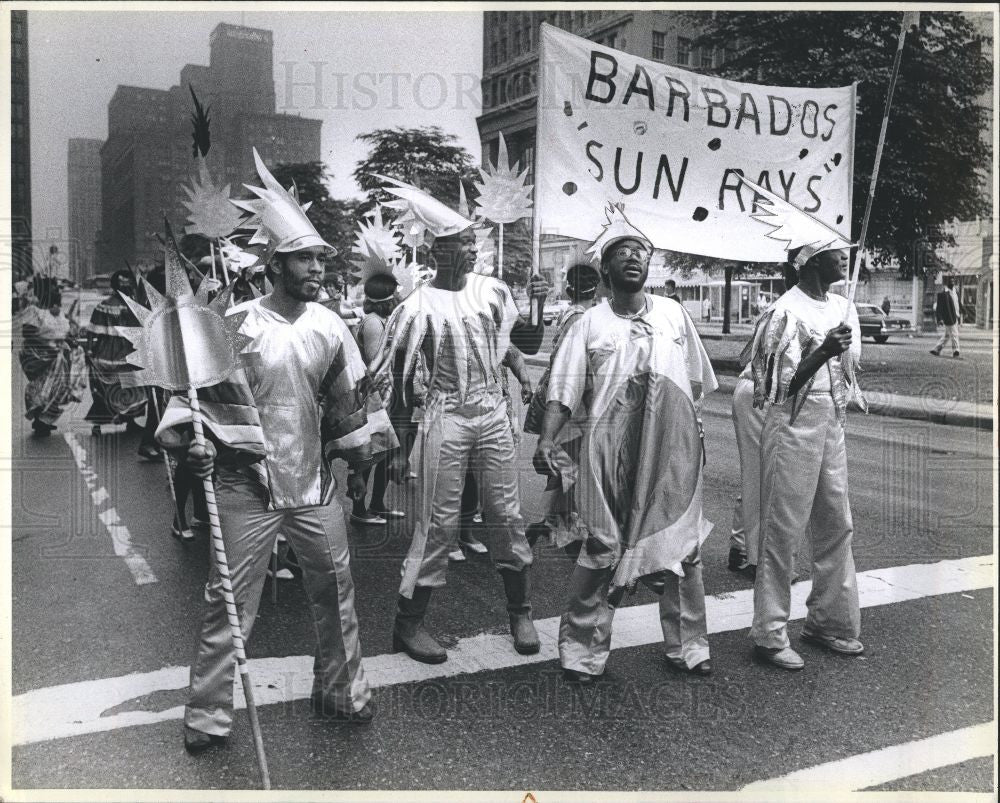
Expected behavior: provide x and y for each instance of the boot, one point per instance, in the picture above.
(517, 586)
(408, 632)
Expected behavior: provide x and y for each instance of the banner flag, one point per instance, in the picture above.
(670, 144)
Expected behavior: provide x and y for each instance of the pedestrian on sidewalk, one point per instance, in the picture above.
(306, 395)
(636, 369)
(671, 290)
(463, 323)
(948, 314)
(805, 355)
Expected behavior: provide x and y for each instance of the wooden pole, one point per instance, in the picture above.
(222, 565)
(853, 282)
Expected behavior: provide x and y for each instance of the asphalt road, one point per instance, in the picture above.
(921, 494)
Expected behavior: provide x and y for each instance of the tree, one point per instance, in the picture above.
(425, 157)
(932, 169)
(333, 218)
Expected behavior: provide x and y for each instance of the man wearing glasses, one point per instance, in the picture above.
(633, 369)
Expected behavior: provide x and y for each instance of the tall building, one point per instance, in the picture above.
(20, 146)
(84, 202)
(510, 75)
(147, 157)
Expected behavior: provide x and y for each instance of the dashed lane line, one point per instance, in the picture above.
(882, 766)
(75, 709)
(121, 538)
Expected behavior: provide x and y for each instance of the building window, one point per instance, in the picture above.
(527, 160)
(683, 50)
(707, 62)
(503, 49)
(659, 46)
(494, 59)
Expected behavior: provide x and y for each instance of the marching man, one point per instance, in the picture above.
(463, 324)
(637, 369)
(306, 395)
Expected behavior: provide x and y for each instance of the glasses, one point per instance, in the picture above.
(626, 251)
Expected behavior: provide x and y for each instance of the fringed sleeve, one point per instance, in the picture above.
(355, 426)
(780, 342)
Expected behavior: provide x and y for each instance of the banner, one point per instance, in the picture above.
(670, 144)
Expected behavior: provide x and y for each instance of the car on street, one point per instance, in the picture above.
(877, 325)
(553, 309)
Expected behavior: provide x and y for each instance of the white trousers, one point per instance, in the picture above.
(585, 627)
(319, 538)
(950, 336)
(804, 482)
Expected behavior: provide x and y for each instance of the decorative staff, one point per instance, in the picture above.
(504, 197)
(184, 343)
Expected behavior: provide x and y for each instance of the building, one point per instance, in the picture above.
(83, 170)
(147, 157)
(20, 147)
(510, 74)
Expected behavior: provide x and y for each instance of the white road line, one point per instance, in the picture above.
(74, 709)
(121, 538)
(885, 765)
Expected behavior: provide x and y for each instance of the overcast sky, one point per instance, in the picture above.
(376, 70)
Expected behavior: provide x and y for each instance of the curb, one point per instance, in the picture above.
(935, 411)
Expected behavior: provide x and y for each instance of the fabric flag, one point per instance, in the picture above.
(671, 144)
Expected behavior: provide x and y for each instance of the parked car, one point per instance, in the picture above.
(553, 309)
(877, 325)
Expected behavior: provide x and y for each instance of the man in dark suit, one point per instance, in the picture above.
(949, 314)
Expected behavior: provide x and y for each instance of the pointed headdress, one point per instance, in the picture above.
(419, 207)
(795, 227)
(618, 227)
(280, 220)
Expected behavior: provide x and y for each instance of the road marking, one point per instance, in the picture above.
(888, 764)
(75, 709)
(121, 538)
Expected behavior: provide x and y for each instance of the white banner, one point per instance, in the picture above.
(669, 144)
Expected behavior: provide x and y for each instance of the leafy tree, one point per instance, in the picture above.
(333, 218)
(932, 169)
(425, 157)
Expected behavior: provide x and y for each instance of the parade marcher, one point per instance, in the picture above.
(380, 300)
(462, 323)
(582, 282)
(50, 357)
(949, 314)
(637, 367)
(306, 384)
(107, 353)
(804, 361)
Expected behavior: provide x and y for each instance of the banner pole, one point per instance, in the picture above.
(535, 315)
(853, 281)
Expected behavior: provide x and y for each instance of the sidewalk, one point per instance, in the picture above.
(937, 411)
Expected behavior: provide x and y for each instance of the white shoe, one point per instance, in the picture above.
(282, 574)
(456, 555)
(478, 519)
(473, 545)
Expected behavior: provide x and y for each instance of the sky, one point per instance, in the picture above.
(375, 70)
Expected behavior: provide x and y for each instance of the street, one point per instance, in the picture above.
(106, 604)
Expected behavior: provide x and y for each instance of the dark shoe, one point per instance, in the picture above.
(408, 632)
(785, 658)
(196, 741)
(737, 560)
(703, 669)
(955, 354)
(535, 531)
(517, 587)
(361, 717)
(843, 646)
(935, 352)
(42, 430)
(147, 452)
(96, 430)
(131, 427)
(579, 678)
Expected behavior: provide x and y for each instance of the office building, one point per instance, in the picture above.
(83, 170)
(20, 147)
